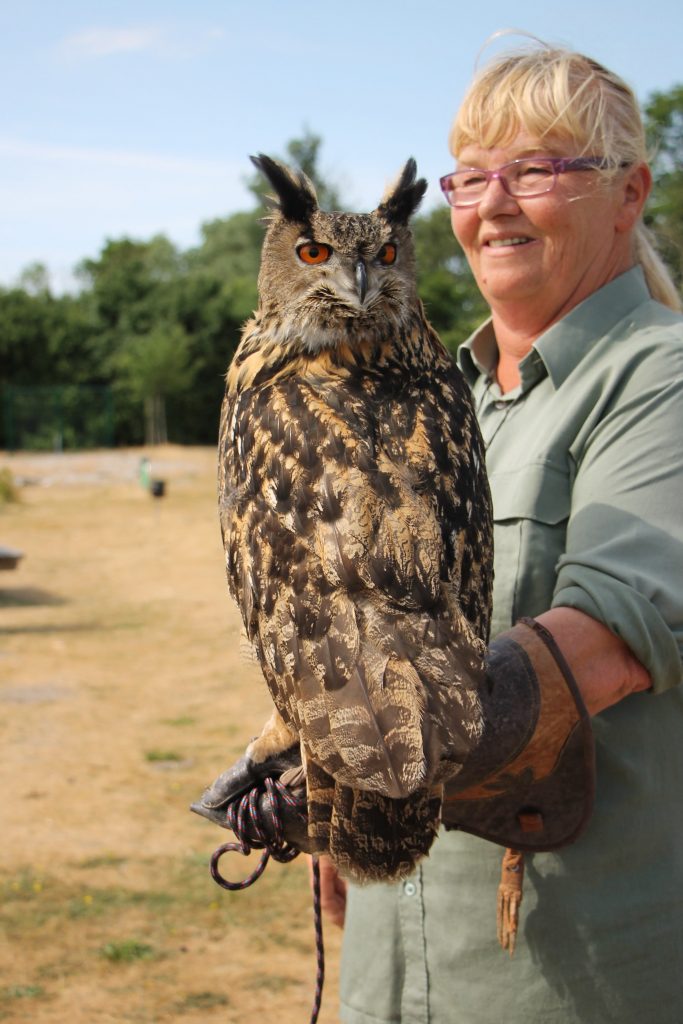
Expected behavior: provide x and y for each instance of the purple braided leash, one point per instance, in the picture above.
(242, 815)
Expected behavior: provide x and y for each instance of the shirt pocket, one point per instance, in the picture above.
(530, 511)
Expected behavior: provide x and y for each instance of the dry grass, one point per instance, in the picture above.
(122, 695)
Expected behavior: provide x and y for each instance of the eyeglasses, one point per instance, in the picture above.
(521, 179)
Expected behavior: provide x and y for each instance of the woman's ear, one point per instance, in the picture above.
(634, 190)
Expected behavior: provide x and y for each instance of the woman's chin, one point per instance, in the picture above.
(510, 288)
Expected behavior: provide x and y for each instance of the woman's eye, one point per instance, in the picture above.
(387, 254)
(314, 252)
(529, 171)
(472, 181)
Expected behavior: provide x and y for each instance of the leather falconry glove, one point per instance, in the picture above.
(531, 782)
(528, 783)
(245, 775)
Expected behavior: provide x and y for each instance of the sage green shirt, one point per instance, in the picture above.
(585, 461)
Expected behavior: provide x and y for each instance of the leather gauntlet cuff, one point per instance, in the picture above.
(530, 783)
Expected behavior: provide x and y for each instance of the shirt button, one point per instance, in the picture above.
(409, 888)
(500, 404)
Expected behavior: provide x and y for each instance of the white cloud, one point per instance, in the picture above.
(160, 40)
(101, 42)
(20, 149)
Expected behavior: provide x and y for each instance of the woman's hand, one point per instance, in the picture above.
(332, 891)
(602, 664)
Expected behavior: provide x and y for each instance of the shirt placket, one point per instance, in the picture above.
(415, 995)
(492, 412)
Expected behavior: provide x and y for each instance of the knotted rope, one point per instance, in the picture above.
(244, 819)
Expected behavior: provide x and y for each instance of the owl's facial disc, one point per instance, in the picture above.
(351, 276)
(342, 275)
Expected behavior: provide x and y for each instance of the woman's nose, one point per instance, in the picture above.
(496, 200)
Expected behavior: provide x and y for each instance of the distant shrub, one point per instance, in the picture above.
(8, 489)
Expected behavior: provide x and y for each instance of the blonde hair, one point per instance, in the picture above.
(556, 94)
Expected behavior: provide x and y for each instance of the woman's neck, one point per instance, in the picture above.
(514, 342)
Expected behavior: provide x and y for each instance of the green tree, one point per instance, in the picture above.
(211, 311)
(25, 325)
(155, 365)
(664, 125)
(45, 343)
(230, 247)
(131, 282)
(43, 339)
(35, 279)
(130, 298)
(451, 298)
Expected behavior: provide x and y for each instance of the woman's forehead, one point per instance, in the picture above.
(516, 147)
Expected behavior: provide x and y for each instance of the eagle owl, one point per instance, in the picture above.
(356, 521)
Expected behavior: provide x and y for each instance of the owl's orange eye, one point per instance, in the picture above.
(387, 254)
(314, 252)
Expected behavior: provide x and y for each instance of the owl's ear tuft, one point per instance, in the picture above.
(296, 199)
(402, 199)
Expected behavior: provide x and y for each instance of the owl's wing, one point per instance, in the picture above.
(348, 581)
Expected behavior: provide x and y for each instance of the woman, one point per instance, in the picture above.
(578, 381)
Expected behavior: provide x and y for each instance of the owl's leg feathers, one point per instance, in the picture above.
(370, 837)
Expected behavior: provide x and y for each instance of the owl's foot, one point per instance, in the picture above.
(275, 739)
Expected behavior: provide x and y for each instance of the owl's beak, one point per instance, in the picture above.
(361, 279)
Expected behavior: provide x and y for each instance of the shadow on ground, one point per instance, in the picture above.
(18, 597)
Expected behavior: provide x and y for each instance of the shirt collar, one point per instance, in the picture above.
(560, 349)
(477, 357)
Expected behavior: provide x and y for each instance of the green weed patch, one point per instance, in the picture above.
(126, 951)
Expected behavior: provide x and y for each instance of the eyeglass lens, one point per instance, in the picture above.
(518, 178)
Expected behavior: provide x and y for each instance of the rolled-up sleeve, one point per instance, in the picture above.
(623, 561)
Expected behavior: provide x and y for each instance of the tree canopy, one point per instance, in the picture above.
(664, 120)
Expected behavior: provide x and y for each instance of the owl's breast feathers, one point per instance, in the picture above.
(357, 527)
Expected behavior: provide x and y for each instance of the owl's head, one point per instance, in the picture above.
(331, 278)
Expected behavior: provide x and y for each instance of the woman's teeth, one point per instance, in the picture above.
(496, 242)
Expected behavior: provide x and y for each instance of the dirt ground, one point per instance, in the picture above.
(122, 694)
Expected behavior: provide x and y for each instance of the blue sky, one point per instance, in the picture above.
(136, 118)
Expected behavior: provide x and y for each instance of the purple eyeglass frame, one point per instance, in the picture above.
(559, 165)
